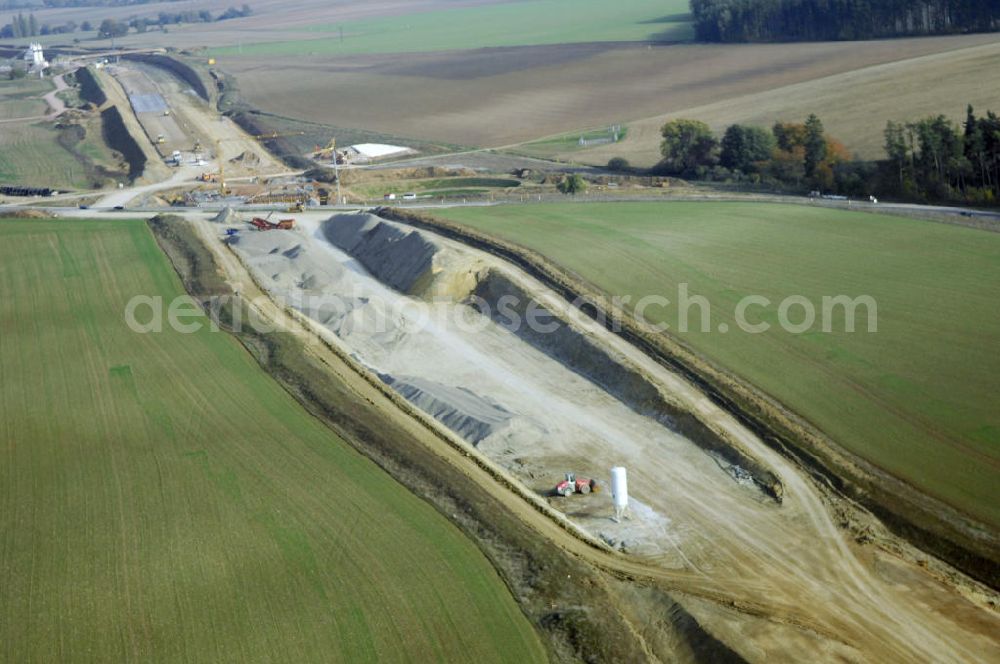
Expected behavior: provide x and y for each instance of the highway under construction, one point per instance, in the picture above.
(764, 557)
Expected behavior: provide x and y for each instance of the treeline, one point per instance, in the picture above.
(27, 26)
(823, 20)
(111, 27)
(99, 3)
(931, 160)
(935, 159)
(795, 154)
(20, 26)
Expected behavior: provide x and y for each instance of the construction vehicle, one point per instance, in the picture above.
(266, 225)
(160, 139)
(573, 484)
(197, 146)
(296, 207)
(327, 152)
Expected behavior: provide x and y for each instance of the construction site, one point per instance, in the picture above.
(604, 452)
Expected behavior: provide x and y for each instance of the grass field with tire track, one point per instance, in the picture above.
(918, 397)
(162, 499)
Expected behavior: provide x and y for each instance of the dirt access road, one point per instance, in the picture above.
(56, 105)
(769, 581)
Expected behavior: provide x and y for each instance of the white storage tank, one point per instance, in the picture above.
(619, 491)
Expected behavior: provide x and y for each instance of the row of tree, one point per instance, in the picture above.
(27, 26)
(99, 3)
(932, 159)
(112, 28)
(21, 26)
(820, 20)
(788, 153)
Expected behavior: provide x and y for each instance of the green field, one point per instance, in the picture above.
(437, 186)
(549, 147)
(521, 23)
(29, 151)
(165, 500)
(918, 397)
(31, 155)
(23, 97)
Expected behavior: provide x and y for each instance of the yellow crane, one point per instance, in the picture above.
(329, 151)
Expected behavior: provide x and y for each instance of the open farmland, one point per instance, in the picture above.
(34, 152)
(30, 155)
(22, 98)
(382, 26)
(502, 96)
(854, 105)
(164, 500)
(916, 398)
(489, 25)
(29, 151)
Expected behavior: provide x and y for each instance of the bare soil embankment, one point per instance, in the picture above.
(413, 263)
(929, 524)
(713, 538)
(583, 613)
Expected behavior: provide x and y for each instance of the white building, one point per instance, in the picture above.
(366, 152)
(34, 59)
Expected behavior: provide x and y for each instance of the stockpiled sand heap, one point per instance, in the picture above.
(227, 215)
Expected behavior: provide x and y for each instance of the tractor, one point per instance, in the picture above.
(573, 484)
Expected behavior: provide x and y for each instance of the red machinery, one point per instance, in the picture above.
(573, 484)
(265, 225)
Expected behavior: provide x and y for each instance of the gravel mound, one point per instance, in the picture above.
(227, 215)
(401, 258)
(471, 416)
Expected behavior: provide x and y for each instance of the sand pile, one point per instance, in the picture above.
(249, 158)
(227, 215)
(468, 414)
(407, 260)
(399, 258)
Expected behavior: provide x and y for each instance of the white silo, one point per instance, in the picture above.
(619, 491)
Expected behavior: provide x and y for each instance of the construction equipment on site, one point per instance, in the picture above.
(296, 207)
(573, 484)
(197, 146)
(265, 225)
(326, 152)
(160, 139)
(330, 151)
